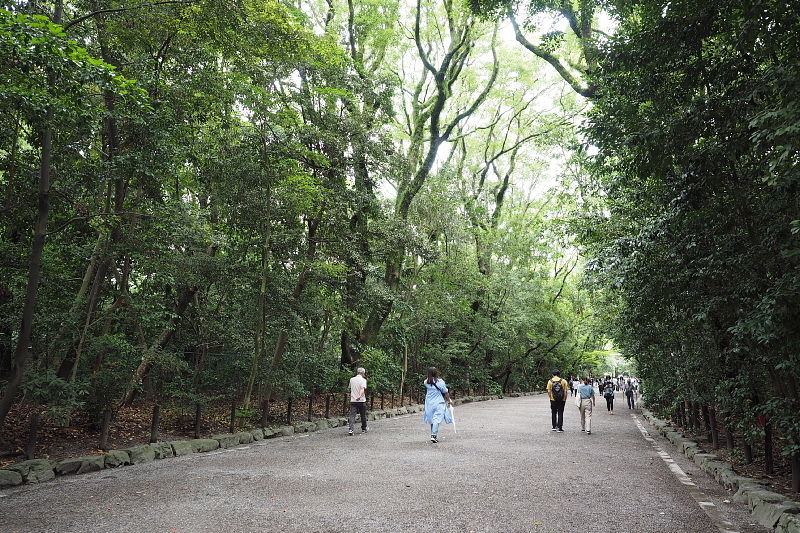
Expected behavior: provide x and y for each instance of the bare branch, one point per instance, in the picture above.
(89, 217)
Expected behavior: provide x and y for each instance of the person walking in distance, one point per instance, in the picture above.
(557, 389)
(629, 392)
(586, 392)
(358, 400)
(608, 394)
(436, 401)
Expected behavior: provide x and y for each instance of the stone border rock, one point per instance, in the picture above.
(39, 470)
(769, 508)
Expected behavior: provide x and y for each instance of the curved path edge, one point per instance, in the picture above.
(769, 508)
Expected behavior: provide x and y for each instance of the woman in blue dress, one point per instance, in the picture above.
(436, 401)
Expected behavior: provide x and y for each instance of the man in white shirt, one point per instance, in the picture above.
(358, 400)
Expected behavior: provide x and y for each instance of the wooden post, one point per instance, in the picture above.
(104, 429)
(289, 412)
(686, 417)
(154, 425)
(264, 413)
(712, 418)
(381, 401)
(769, 458)
(796, 472)
(233, 414)
(344, 405)
(706, 421)
(327, 406)
(747, 449)
(372, 402)
(30, 449)
(391, 401)
(729, 438)
(198, 417)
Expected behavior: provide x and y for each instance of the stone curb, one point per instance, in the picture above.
(39, 470)
(769, 508)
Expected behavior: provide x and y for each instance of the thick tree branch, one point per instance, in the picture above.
(556, 63)
(120, 9)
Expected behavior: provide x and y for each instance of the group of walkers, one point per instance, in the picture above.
(438, 401)
(583, 393)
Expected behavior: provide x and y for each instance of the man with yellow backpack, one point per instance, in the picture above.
(557, 389)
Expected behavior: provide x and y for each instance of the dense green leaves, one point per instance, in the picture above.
(228, 223)
(696, 130)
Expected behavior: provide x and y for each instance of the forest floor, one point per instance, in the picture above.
(132, 427)
(780, 480)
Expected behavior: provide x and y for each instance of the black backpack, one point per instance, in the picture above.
(558, 391)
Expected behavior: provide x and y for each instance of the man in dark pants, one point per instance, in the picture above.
(358, 400)
(557, 389)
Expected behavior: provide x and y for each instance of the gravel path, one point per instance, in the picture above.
(503, 471)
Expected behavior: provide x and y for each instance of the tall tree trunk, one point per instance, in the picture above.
(69, 366)
(98, 360)
(302, 280)
(77, 302)
(258, 349)
(115, 199)
(151, 355)
(22, 351)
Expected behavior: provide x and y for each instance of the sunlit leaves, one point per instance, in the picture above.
(42, 69)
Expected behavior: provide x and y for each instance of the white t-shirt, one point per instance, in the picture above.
(357, 386)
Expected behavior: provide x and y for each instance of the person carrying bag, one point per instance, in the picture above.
(436, 402)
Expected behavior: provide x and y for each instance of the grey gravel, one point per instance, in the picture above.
(503, 471)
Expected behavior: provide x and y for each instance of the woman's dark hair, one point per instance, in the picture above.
(433, 375)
